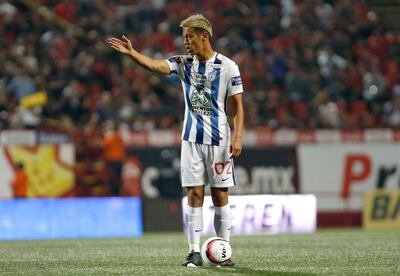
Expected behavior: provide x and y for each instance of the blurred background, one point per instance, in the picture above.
(322, 104)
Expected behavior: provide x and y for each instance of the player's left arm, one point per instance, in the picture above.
(237, 138)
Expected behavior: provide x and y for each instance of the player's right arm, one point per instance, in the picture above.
(124, 46)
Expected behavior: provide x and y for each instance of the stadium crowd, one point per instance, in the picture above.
(304, 64)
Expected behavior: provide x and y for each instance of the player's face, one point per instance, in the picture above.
(193, 40)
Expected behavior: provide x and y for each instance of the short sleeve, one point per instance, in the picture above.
(235, 85)
(174, 62)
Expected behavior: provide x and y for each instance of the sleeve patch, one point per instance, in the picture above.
(236, 81)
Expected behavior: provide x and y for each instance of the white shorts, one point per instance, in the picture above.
(206, 164)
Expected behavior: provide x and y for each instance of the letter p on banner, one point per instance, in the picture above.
(357, 167)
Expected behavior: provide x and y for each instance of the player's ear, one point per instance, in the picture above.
(204, 36)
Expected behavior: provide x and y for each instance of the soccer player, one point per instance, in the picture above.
(208, 78)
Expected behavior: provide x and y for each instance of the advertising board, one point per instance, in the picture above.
(49, 169)
(340, 174)
(263, 214)
(56, 218)
(271, 170)
(382, 209)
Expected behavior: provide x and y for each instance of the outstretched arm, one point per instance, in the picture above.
(124, 46)
(236, 143)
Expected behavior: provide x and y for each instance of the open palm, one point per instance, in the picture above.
(123, 46)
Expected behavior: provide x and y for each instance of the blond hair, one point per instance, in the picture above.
(197, 21)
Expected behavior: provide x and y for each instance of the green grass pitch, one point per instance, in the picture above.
(327, 252)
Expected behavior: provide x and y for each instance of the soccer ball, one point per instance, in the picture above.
(215, 250)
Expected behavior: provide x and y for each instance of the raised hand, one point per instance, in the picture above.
(123, 46)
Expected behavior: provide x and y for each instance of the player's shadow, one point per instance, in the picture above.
(251, 271)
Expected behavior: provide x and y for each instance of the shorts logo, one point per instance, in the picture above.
(219, 168)
(236, 81)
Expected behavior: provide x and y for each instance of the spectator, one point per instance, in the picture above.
(20, 182)
(21, 85)
(373, 83)
(114, 156)
(391, 109)
(335, 45)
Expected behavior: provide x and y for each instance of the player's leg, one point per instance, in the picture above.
(222, 215)
(193, 179)
(221, 175)
(195, 217)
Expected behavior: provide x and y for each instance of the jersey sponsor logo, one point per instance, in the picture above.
(236, 81)
(201, 102)
(215, 66)
(202, 110)
(200, 79)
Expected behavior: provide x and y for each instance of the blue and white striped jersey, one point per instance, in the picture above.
(206, 86)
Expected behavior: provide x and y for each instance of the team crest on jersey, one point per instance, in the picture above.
(211, 76)
(201, 102)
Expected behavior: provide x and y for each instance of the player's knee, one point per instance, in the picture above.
(220, 197)
(195, 197)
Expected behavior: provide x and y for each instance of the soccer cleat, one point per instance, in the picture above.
(228, 262)
(193, 260)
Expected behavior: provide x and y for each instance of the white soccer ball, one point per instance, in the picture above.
(215, 250)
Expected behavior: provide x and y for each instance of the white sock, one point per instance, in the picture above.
(195, 227)
(222, 222)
